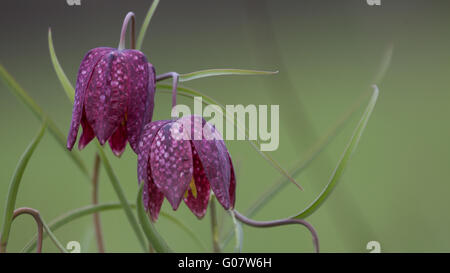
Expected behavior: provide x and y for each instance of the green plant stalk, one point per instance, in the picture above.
(14, 187)
(214, 225)
(238, 232)
(145, 24)
(157, 243)
(221, 72)
(122, 198)
(343, 162)
(23, 96)
(53, 237)
(91, 209)
(67, 86)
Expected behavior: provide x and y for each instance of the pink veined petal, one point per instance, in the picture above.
(148, 134)
(141, 92)
(87, 135)
(118, 141)
(98, 95)
(232, 184)
(84, 75)
(199, 203)
(171, 164)
(213, 155)
(152, 197)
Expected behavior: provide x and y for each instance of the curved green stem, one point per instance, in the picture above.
(122, 198)
(155, 240)
(145, 24)
(14, 188)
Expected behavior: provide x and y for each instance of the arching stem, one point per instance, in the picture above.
(281, 222)
(38, 220)
(174, 76)
(130, 15)
(214, 225)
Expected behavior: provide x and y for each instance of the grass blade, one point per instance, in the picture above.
(14, 187)
(122, 198)
(91, 209)
(23, 96)
(239, 234)
(145, 24)
(67, 86)
(156, 241)
(343, 162)
(53, 237)
(221, 72)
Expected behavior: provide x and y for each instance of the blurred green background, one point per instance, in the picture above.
(396, 188)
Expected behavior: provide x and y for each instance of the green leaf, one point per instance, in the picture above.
(191, 93)
(221, 72)
(23, 96)
(156, 241)
(145, 24)
(91, 209)
(68, 88)
(122, 198)
(14, 186)
(343, 162)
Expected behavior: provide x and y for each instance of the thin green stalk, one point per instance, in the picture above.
(53, 237)
(343, 162)
(122, 198)
(155, 240)
(23, 96)
(14, 187)
(214, 226)
(91, 209)
(145, 24)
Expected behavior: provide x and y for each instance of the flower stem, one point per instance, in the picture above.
(174, 76)
(281, 222)
(96, 216)
(214, 226)
(130, 15)
(14, 188)
(37, 218)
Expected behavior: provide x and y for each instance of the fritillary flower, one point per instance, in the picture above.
(186, 167)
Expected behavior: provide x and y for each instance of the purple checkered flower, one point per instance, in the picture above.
(177, 165)
(114, 98)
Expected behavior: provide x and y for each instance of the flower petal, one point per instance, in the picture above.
(198, 202)
(152, 197)
(107, 95)
(171, 164)
(118, 141)
(148, 134)
(232, 184)
(84, 75)
(141, 92)
(88, 133)
(213, 155)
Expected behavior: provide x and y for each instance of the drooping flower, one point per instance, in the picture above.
(186, 167)
(114, 98)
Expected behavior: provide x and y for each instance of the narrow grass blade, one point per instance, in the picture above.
(14, 187)
(23, 96)
(239, 234)
(145, 24)
(221, 72)
(122, 198)
(91, 209)
(183, 227)
(343, 162)
(67, 86)
(191, 93)
(53, 237)
(156, 241)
